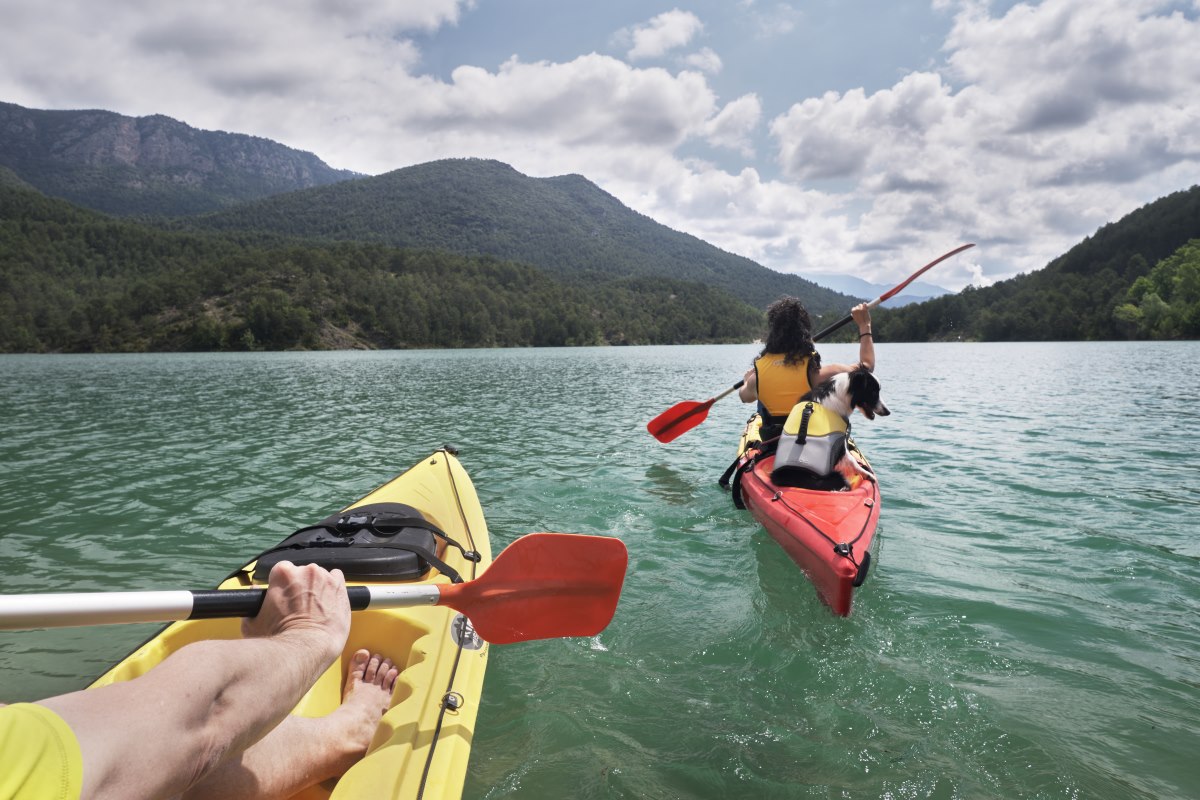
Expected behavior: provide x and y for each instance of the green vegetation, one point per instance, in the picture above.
(456, 253)
(1166, 303)
(77, 281)
(1093, 292)
(566, 226)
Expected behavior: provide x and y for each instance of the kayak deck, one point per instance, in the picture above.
(828, 534)
(422, 743)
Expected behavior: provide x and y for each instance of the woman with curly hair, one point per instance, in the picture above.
(789, 365)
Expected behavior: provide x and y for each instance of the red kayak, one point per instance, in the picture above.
(827, 533)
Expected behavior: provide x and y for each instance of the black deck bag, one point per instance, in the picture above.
(375, 542)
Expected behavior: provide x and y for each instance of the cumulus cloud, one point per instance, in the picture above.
(667, 31)
(704, 60)
(1041, 116)
(734, 124)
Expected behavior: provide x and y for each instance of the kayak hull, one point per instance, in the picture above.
(829, 535)
(421, 746)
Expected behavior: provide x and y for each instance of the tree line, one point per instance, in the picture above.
(77, 281)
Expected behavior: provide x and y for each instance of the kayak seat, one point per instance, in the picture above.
(375, 542)
(801, 478)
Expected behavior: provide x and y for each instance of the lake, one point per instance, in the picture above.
(1030, 627)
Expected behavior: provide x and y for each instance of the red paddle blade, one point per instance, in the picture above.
(678, 419)
(543, 586)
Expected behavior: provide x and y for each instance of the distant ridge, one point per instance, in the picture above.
(918, 292)
(565, 225)
(149, 165)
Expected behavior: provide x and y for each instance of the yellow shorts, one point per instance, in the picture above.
(39, 755)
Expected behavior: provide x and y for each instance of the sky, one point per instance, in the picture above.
(861, 137)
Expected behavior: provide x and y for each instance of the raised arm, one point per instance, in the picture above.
(866, 346)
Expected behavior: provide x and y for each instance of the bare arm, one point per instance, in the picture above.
(161, 732)
(749, 391)
(866, 346)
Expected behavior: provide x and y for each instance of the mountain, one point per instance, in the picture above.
(76, 280)
(916, 292)
(566, 226)
(149, 165)
(1100, 289)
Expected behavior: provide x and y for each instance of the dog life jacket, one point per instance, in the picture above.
(813, 441)
(780, 385)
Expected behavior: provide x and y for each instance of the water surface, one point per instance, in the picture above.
(1031, 626)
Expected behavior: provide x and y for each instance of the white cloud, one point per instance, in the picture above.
(1069, 113)
(734, 124)
(704, 60)
(663, 33)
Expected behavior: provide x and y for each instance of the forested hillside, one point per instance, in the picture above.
(566, 226)
(78, 281)
(455, 253)
(1106, 287)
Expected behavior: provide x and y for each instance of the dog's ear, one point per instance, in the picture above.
(862, 379)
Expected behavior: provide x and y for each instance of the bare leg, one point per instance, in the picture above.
(303, 751)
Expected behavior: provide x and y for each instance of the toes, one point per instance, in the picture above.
(358, 664)
(385, 667)
(371, 669)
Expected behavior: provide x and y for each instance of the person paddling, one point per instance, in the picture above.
(212, 720)
(789, 365)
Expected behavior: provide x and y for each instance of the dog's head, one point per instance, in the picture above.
(863, 389)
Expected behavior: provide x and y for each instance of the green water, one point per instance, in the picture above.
(1031, 627)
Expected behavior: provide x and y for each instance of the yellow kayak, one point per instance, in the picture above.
(422, 744)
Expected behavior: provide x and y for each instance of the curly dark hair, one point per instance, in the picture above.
(789, 330)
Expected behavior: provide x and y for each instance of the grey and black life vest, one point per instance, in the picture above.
(812, 443)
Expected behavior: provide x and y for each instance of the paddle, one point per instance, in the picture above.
(895, 290)
(682, 417)
(543, 586)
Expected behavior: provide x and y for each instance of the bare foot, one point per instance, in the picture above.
(368, 692)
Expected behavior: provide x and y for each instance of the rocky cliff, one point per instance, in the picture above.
(149, 165)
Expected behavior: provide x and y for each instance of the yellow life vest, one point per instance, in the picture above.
(780, 385)
(821, 421)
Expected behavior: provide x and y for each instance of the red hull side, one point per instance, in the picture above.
(797, 518)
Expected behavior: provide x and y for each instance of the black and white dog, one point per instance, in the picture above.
(847, 391)
(825, 462)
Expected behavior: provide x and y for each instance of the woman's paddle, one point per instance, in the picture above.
(682, 417)
(543, 586)
(895, 290)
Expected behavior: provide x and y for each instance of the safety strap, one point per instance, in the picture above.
(805, 416)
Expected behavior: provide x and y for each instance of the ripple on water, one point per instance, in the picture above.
(1028, 629)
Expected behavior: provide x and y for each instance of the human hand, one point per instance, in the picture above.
(307, 600)
(862, 317)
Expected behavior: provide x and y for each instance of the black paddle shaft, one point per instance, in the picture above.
(219, 604)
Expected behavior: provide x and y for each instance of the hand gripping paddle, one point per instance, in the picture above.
(542, 586)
